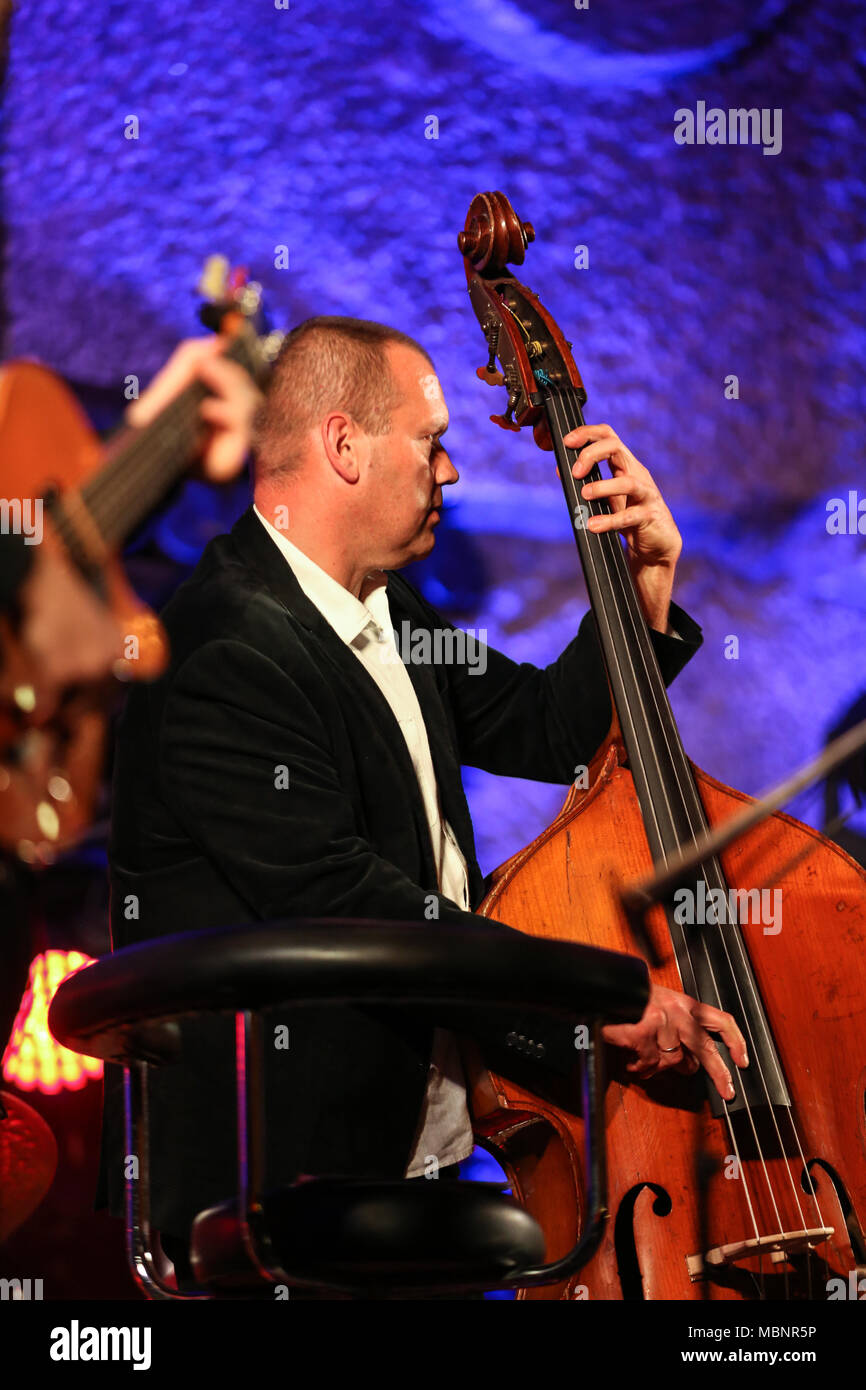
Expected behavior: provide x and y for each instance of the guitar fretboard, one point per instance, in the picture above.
(150, 460)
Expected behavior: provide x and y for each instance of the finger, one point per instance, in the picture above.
(643, 1070)
(594, 454)
(230, 440)
(710, 1059)
(583, 434)
(670, 1047)
(625, 485)
(633, 1037)
(687, 1064)
(701, 1045)
(177, 373)
(170, 380)
(225, 414)
(224, 455)
(228, 380)
(610, 450)
(622, 520)
(645, 1046)
(723, 1023)
(668, 1038)
(619, 1034)
(636, 1035)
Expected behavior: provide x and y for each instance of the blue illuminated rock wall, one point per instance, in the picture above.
(308, 128)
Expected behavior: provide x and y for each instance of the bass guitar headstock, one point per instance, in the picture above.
(233, 306)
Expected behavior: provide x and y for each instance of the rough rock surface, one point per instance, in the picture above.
(305, 127)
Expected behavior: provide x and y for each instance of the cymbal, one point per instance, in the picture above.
(28, 1162)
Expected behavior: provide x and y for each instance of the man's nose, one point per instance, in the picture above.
(446, 473)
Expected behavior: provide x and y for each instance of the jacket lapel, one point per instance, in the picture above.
(259, 554)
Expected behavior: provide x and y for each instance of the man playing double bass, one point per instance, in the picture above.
(290, 763)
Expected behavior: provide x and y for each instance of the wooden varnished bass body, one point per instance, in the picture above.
(764, 1198)
(658, 1130)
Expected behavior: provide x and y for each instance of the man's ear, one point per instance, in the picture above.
(342, 442)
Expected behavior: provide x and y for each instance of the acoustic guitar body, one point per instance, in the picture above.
(52, 743)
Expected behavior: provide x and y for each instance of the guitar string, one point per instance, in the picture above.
(119, 490)
(113, 488)
(616, 570)
(110, 493)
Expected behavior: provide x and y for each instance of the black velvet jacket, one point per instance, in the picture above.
(203, 835)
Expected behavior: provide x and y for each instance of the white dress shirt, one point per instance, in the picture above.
(444, 1129)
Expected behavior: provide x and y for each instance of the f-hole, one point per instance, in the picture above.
(628, 1265)
(855, 1230)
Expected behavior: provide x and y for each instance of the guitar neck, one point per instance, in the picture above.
(145, 463)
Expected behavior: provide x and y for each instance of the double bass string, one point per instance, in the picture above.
(638, 633)
(686, 785)
(615, 569)
(563, 424)
(614, 552)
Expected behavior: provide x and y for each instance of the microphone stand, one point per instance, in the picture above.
(639, 897)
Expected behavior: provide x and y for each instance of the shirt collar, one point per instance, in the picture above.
(347, 615)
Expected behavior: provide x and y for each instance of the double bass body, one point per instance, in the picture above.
(683, 1207)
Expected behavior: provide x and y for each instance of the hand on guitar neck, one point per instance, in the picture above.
(61, 641)
(68, 633)
(229, 412)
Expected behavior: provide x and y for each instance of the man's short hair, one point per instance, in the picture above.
(326, 363)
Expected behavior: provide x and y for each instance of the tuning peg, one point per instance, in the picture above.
(249, 298)
(506, 423)
(490, 375)
(214, 282)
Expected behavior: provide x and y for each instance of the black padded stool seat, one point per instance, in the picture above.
(376, 1233)
(344, 1236)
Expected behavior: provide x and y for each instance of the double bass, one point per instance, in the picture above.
(761, 1197)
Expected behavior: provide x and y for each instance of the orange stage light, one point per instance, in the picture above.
(33, 1061)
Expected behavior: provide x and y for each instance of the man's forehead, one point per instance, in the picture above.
(417, 377)
(432, 389)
